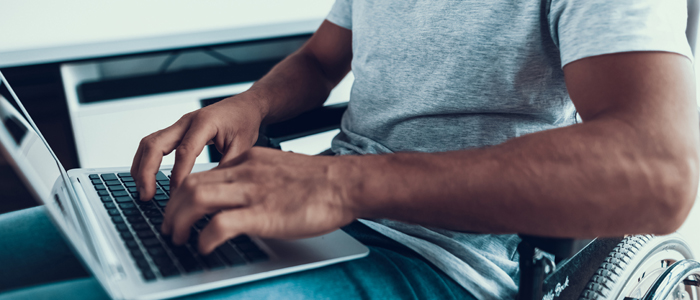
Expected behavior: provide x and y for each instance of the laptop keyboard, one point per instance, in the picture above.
(138, 223)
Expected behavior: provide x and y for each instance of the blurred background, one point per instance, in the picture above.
(99, 75)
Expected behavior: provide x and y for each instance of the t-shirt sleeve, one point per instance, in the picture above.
(341, 14)
(596, 27)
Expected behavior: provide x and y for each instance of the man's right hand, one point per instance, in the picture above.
(300, 82)
(231, 125)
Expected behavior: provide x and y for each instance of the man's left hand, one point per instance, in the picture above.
(263, 192)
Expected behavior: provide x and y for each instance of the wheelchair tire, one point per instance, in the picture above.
(634, 265)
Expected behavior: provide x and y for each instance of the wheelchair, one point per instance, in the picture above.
(633, 267)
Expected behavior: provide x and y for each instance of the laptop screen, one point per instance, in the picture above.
(27, 144)
(34, 161)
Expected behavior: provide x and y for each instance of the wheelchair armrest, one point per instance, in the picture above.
(561, 248)
(534, 268)
(311, 122)
(574, 259)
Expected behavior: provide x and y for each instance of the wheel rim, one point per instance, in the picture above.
(680, 281)
(648, 272)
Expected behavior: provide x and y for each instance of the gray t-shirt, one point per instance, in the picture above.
(440, 75)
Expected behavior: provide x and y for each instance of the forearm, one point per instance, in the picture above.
(295, 85)
(304, 79)
(597, 178)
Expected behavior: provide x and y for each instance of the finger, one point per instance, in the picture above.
(228, 174)
(137, 160)
(191, 145)
(153, 148)
(227, 225)
(184, 209)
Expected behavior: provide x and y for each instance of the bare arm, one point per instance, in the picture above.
(298, 83)
(630, 167)
(305, 79)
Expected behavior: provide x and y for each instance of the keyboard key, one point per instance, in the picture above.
(131, 212)
(107, 177)
(100, 187)
(126, 205)
(121, 193)
(186, 259)
(164, 182)
(115, 188)
(124, 174)
(131, 244)
(96, 181)
(135, 196)
(166, 188)
(151, 242)
(110, 205)
(126, 235)
(94, 176)
(136, 254)
(113, 212)
(168, 271)
(127, 179)
(213, 261)
(140, 226)
(148, 275)
(144, 205)
(161, 197)
(163, 261)
(256, 256)
(130, 184)
(103, 193)
(247, 247)
(106, 199)
(123, 199)
(145, 234)
(122, 227)
(160, 176)
(113, 182)
(162, 203)
(135, 219)
(143, 264)
(230, 255)
(152, 213)
(158, 251)
(156, 220)
(132, 189)
(117, 219)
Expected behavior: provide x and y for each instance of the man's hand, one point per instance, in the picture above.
(300, 82)
(263, 192)
(232, 125)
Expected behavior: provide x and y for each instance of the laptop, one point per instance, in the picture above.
(117, 237)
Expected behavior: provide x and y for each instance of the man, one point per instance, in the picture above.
(470, 106)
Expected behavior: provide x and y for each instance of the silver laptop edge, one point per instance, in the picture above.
(84, 236)
(87, 226)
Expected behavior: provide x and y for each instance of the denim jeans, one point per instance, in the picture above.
(36, 263)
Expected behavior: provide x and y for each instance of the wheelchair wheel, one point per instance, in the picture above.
(634, 265)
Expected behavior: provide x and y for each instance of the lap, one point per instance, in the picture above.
(38, 256)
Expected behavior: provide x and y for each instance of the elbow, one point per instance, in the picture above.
(676, 187)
